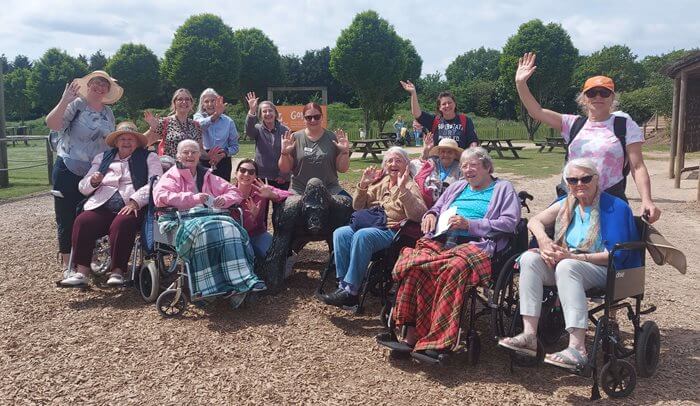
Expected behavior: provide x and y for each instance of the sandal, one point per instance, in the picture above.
(571, 359)
(522, 343)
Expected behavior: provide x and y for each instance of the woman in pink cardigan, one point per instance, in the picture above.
(187, 185)
(256, 197)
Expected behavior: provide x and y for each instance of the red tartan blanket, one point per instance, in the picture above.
(433, 283)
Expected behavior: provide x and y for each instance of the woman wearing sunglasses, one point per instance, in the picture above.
(587, 225)
(597, 138)
(315, 152)
(256, 196)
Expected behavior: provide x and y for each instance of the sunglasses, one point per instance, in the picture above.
(584, 180)
(316, 117)
(601, 91)
(246, 171)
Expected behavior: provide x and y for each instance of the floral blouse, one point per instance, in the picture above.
(177, 132)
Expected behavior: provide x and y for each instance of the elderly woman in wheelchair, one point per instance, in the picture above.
(116, 187)
(384, 198)
(587, 225)
(435, 277)
(205, 233)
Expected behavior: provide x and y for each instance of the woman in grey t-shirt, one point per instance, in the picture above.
(83, 120)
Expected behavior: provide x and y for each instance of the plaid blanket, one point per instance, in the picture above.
(214, 244)
(433, 283)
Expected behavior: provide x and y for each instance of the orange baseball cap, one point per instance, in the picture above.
(599, 81)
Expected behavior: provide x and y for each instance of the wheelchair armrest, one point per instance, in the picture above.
(495, 234)
(629, 246)
(165, 210)
(408, 228)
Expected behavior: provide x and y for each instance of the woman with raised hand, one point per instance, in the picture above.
(83, 120)
(610, 138)
(446, 122)
(219, 133)
(263, 126)
(177, 126)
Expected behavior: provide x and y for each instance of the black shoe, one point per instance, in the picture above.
(340, 298)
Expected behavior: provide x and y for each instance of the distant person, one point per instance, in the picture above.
(177, 126)
(446, 122)
(262, 125)
(399, 129)
(219, 133)
(83, 121)
(612, 140)
(417, 133)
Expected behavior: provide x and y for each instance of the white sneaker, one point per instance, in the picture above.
(75, 280)
(289, 264)
(115, 280)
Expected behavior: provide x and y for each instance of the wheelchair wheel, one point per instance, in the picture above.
(149, 282)
(474, 347)
(647, 349)
(505, 318)
(168, 306)
(100, 257)
(618, 379)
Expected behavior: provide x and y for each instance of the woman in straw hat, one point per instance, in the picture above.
(439, 171)
(611, 139)
(83, 121)
(117, 190)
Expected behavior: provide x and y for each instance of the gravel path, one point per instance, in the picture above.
(106, 347)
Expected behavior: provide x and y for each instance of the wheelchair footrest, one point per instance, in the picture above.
(651, 309)
(429, 359)
(394, 345)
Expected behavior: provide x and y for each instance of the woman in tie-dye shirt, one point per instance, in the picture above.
(596, 139)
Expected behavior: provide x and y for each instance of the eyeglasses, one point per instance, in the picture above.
(246, 171)
(183, 99)
(316, 117)
(598, 91)
(584, 180)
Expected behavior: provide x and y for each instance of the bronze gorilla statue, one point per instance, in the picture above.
(299, 220)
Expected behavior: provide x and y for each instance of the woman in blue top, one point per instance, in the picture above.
(83, 121)
(587, 224)
(219, 134)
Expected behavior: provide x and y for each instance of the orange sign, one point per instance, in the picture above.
(293, 117)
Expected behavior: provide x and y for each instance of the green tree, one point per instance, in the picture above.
(204, 53)
(315, 69)
(16, 100)
(137, 69)
(98, 61)
(6, 67)
(556, 58)
(261, 65)
(414, 64)
(370, 58)
(477, 96)
(616, 62)
(49, 77)
(477, 64)
(640, 104)
(21, 62)
(428, 88)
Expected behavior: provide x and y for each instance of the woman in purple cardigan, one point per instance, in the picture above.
(434, 277)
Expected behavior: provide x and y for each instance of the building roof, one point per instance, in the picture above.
(689, 62)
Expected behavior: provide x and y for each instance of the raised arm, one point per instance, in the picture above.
(526, 67)
(342, 159)
(286, 161)
(54, 120)
(415, 106)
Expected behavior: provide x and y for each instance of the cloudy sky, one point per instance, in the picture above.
(440, 31)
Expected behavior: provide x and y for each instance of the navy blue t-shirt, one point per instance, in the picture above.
(450, 129)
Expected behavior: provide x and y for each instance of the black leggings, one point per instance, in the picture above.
(65, 207)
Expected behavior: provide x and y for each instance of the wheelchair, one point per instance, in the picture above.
(468, 341)
(624, 290)
(167, 278)
(377, 280)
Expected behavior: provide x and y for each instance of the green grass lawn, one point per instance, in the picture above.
(26, 181)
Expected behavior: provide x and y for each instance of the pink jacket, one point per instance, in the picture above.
(258, 224)
(176, 188)
(117, 178)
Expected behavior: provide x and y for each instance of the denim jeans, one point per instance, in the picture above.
(353, 251)
(261, 243)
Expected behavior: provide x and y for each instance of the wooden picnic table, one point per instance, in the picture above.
(501, 145)
(372, 146)
(551, 142)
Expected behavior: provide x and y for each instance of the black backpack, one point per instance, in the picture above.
(620, 130)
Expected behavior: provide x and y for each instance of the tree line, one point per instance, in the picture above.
(363, 70)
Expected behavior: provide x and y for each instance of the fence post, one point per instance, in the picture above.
(4, 174)
(49, 160)
(497, 130)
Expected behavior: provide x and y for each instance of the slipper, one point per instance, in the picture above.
(522, 343)
(572, 359)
